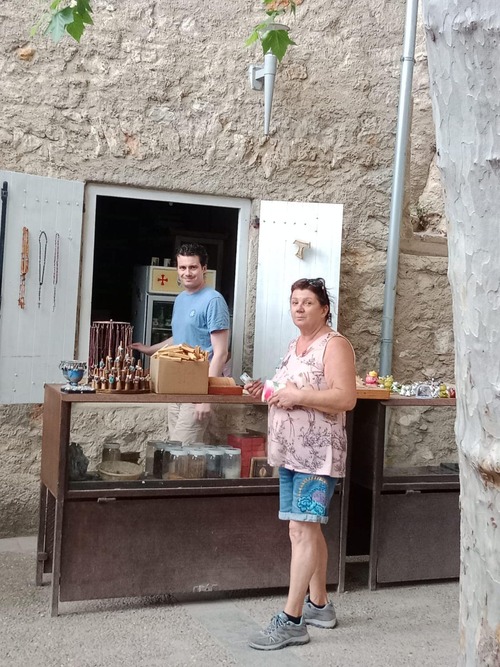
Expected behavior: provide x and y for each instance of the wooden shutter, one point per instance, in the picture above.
(35, 339)
(282, 223)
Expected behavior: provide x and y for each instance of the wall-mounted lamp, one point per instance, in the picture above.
(262, 78)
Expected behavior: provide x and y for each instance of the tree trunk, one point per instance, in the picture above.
(463, 47)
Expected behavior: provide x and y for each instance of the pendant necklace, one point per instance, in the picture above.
(42, 260)
(55, 272)
(25, 262)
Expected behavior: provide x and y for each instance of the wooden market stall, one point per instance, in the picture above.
(106, 539)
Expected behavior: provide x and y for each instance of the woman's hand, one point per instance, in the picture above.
(254, 388)
(286, 398)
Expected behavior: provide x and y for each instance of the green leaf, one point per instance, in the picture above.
(86, 18)
(76, 27)
(277, 43)
(57, 26)
(85, 10)
(38, 25)
(253, 38)
(83, 6)
(55, 4)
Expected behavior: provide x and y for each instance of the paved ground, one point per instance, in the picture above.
(391, 627)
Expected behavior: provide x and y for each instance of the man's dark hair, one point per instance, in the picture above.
(193, 250)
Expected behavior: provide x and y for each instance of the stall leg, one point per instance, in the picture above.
(41, 553)
(56, 567)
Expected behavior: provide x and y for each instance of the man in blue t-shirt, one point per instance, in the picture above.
(200, 317)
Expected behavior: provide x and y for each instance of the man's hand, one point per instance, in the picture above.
(202, 411)
(144, 349)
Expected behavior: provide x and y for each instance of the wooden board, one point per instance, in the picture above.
(380, 393)
(226, 391)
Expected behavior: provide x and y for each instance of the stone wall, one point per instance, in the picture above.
(157, 96)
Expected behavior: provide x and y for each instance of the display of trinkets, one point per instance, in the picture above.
(120, 374)
(428, 389)
(74, 371)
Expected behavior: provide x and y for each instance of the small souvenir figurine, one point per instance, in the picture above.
(443, 391)
(120, 374)
(387, 382)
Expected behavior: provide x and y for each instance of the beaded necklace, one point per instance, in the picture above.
(55, 272)
(42, 260)
(25, 263)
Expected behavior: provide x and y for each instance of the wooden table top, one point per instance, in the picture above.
(373, 393)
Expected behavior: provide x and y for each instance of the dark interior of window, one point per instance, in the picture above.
(130, 232)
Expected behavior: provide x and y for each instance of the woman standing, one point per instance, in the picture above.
(307, 440)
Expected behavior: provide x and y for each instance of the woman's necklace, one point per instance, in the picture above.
(42, 260)
(55, 272)
(25, 264)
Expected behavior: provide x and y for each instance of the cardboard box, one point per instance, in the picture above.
(169, 376)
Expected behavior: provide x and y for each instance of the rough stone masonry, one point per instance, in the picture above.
(156, 96)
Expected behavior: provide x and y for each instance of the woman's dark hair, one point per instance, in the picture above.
(318, 287)
(193, 250)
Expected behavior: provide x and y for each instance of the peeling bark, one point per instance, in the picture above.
(463, 40)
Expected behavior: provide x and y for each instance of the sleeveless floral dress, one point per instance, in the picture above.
(303, 439)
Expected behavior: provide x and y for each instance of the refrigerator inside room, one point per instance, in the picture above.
(153, 296)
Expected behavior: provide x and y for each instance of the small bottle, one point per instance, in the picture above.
(214, 458)
(151, 447)
(111, 451)
(231, 463)
(196, 463)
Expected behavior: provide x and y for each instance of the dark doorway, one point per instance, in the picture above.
(130, 232)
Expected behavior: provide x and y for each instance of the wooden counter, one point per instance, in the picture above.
(156, 537)
(407, 520)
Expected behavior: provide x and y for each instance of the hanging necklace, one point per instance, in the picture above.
(55, 272)
(25, 263)
(42, 260)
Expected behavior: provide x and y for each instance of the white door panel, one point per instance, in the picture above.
(282, 223)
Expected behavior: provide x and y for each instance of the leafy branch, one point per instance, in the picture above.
(274, 38)
(65, 16)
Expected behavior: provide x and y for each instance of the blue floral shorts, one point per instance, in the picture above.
(305, 496)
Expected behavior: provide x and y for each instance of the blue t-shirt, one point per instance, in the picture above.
(196, 316)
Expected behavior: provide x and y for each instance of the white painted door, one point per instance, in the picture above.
(282, 225)
(34, 339)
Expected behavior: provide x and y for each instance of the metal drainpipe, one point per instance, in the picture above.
(398, 182)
